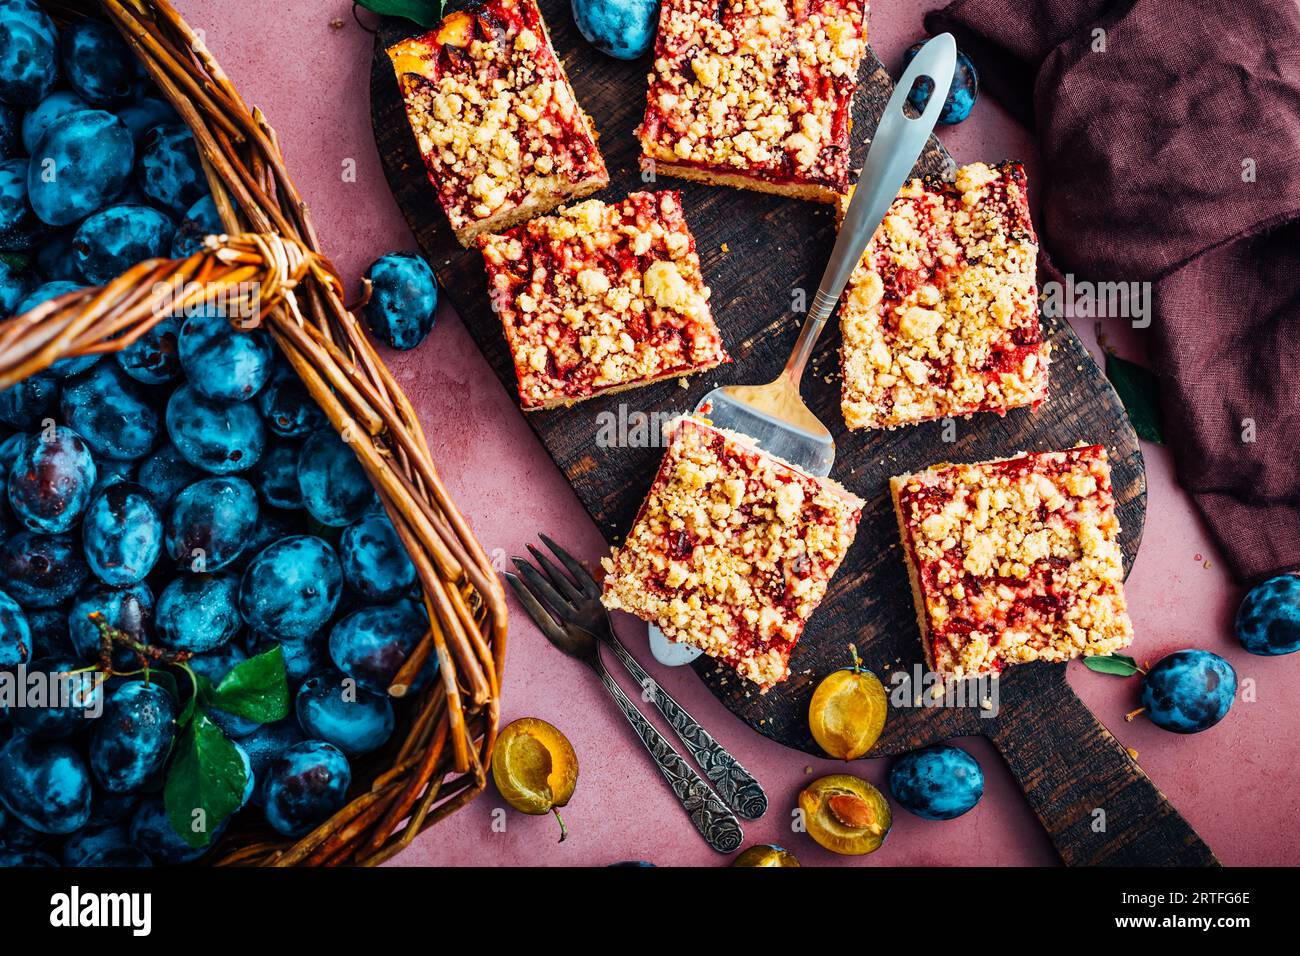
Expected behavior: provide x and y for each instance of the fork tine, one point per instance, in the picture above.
(541, 589)
(580, 574)
(558, 577)
(541, 617)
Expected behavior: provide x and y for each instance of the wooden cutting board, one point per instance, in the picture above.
(756, 251)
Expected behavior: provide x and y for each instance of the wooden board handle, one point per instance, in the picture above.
(1096, 804)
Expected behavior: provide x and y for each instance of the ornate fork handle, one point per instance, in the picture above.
(734, 783)
(718, 825)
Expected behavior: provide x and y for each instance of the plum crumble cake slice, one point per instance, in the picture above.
(601, 297)
(495, 118)
(732, 550)
(755, 93)
(941, 315)
(1014, 560)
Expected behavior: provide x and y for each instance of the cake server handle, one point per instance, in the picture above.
(894, 150)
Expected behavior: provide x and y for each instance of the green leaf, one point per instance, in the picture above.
(18, 261)
(256, 689)
(1117, 664)
(1139, 390)
(424, 12)
(205, 782)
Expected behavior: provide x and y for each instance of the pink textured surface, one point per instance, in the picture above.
(312, 81)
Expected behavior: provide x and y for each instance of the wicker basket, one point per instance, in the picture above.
(438, 761)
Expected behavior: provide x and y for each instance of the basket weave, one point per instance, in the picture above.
(441, 761)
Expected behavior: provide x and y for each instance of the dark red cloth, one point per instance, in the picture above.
(1143, 147)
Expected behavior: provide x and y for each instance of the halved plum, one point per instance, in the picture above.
(765, 854)
(535, 768)
(845, 814)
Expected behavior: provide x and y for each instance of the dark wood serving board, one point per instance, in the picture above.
(756, 250)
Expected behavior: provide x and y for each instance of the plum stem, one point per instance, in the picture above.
(144, 653)
(564, 831)
(857, 661)
(1132, 715)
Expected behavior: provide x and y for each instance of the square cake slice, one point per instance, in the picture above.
(755, 93)
(501, 133)
(732, 550)
(601, 297)
(940, 318)
(1014, 560)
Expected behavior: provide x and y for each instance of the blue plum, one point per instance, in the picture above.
(29, 63)
(154, 357)
(130, 610)
(97, 62)
(44, 293)
(375, 565)
(265, 744)
(289, 411)
(403, 299)
(11, 122)
(50, 481)
(55, 259)
(210, 523)
(302, 656)
(624, 29)
(961, 94)
(45, 784)
(218, 437)
(291, 588)
(111, 412)
(73, 700)
(15, 633)
(144, 113)
(169, 170)
(373, 643)
(1189, 691)
(276, 477)
(200, 221)
(92, 839)
(131, 740)
(937, 783)
(164, 474)
(80, 164)
(26, 858)
(38, 119)
(1268, 621)
(122, 534)
(29, 402)
(152, 831)
(19, 227)
(15, 283)
(334, 486)
(304, 786)
(41, 570)
(331, 708)
(114, 239)
(50, 636)
(117, 857)
(272, 525)
(215, 665)
(223, 362)
(112, 473)
(198, 612)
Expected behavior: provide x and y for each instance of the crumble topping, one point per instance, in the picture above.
(494, 115)
(732, 550)
(601, 296)
(759, 88)
(1015, 560)
(941, 314)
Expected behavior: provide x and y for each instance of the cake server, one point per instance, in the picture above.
(774, 414)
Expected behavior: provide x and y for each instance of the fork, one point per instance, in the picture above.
(580, 599)
(710, 816)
